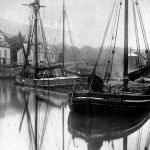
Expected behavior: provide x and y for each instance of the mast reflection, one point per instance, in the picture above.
(34, 125)
(37, 111)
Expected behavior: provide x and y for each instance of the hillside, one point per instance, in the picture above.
(11, 28)
(84, 53)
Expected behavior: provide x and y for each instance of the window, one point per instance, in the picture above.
(5, 53)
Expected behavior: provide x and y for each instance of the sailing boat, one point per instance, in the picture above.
(47, 77)
(103, 95)
(96, 131)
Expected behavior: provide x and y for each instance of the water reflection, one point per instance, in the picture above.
(33, 119)
(37, 124)
(8, 97)
(97, 130)
(30, 119)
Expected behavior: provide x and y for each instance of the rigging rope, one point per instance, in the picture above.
(143, 32)
(72, 42)
(108, 53)
(103, 41)
(136, 34)
(27, 52)
(45, 45)
(104, 37)
(57, 37)
(110, 62)
(113, 51)
(58, 29)
(70, 35)
(30, 37)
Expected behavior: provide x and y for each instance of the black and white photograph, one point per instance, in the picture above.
(74, 75)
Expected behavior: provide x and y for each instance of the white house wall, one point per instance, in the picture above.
(5, 54)
(4, 50)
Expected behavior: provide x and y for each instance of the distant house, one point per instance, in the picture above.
(15, 45)
(41, 56)
(5, 57)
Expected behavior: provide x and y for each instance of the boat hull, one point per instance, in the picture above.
(55, 83)
(114, 103)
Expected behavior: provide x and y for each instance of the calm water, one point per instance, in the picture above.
(28, 122)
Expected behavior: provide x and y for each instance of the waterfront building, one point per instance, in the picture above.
(5, 54)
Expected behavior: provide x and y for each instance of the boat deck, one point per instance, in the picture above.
(57, 78)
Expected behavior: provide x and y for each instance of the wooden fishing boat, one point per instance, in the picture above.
(51, 75)
(119, 97)
(96, 102)
(95, 130)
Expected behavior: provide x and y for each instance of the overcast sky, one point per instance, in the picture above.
(87, 18)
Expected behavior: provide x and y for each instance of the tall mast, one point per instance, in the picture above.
(125, 75)
(35, 6)
(63, 50)
(36, 9)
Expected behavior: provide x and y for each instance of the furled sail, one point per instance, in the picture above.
(138, 73)
(96, 82)
(52, 67)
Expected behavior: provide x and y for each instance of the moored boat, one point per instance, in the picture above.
(117, 97)
(95, 102)
(49, 74)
